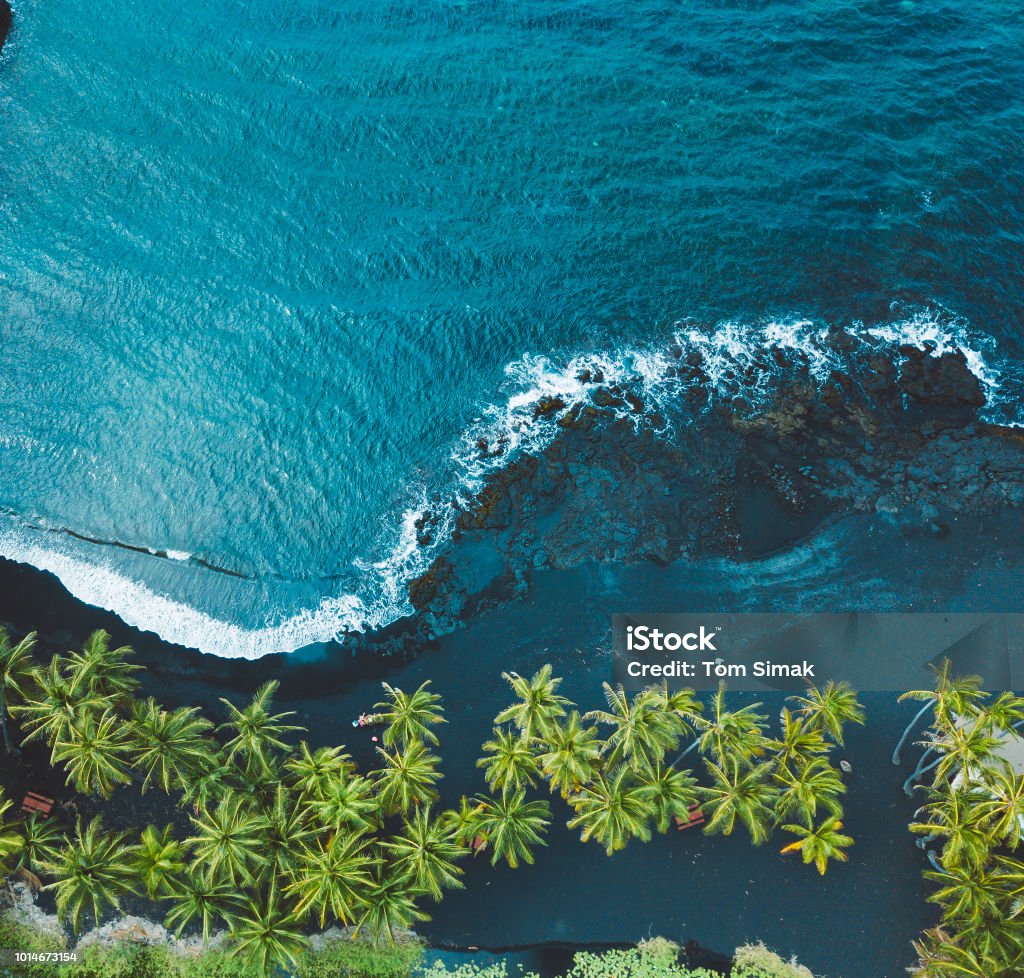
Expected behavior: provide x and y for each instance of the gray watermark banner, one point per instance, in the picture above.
(874, 651)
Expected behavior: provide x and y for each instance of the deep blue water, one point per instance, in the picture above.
(265, 267)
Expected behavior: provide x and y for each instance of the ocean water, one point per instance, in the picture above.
(267, 271)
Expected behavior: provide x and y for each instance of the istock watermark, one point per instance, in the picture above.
(881, 651)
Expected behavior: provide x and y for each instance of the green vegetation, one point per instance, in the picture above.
(656, 958)
(284, 836)
(360, 960)
(975, 808)
(15, 675)
(342, 958)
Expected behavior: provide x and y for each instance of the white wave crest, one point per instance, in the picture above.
(101, 586)
(735, 358)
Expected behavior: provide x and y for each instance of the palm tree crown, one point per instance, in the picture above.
(539, 704)
(92, 872)
(257, 732)
(410, 717)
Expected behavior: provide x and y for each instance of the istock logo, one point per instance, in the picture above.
(641, 638)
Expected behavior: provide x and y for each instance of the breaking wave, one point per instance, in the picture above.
(737, 359)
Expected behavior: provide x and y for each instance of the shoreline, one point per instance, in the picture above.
(492, 607)
(900, 435)
(563, 895)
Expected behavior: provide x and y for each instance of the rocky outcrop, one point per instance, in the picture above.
(5, 21)
(897, 434)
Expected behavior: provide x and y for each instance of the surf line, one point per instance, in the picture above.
(135, 548)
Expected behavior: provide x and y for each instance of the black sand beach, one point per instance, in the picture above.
(856, 922)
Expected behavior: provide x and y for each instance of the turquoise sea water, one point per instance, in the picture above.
(265, 269)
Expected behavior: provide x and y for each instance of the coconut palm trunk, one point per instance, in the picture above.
(906, 733)
(692, 747)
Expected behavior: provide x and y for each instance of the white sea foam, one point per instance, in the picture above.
(99, 584)
(736, 358)
(926, 331)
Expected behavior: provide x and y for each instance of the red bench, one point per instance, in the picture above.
(36, 803)
(696, 817)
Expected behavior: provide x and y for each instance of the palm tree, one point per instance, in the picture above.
(57, 700)
(331, 879)
(11, 841)
(1005, 712)
(798, 742)
(729, 734)
(15, 676)
(158, 861)
(612, 810)
(43, 838)
(409, 717)
(286, 831)
(92, 872)
(348, 805)
(960, 817)
(968, 895)
(94, 749)
(997, 941)
(103, 670)
(642, 730)
(806, 786)
(230, 841)
(539, 704)
(464, 822)
(170, 748)
(940, 956)
(407, 778)
(830, 709)
(667, 794)
(511, 825)
(199, 898)
(570, 755)
(267, 936)
(257, 732)
(312, 773)
(683, 703)
(208, 784)
(967, 747)
(511, 763)
(819, 843)
(952, 696)
(740, 793)
(389, 903)
(1006, 808)
(1011, 878)
(427, 851)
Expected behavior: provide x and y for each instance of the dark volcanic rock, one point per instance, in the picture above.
(943, 381)
(547, 405)
(896, 436)
(426, 588)
(5, 21)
